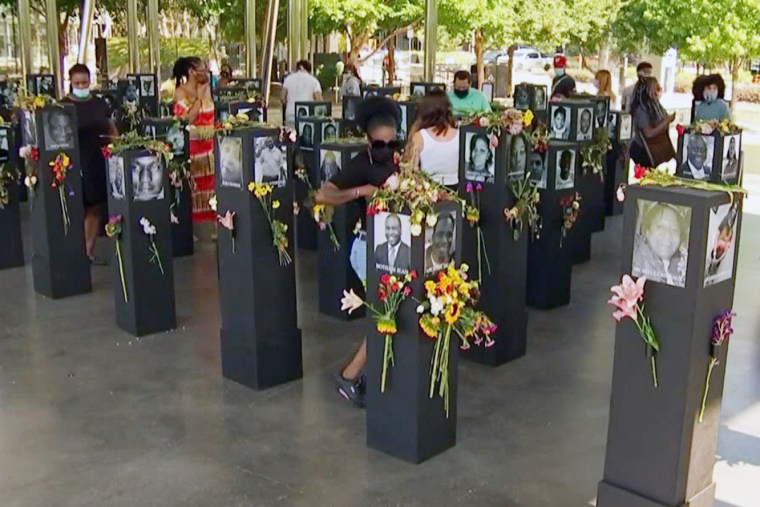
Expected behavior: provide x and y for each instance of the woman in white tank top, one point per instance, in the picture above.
(434, 142)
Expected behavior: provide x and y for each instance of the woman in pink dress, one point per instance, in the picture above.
(193, 103)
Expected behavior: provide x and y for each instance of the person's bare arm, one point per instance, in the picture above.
(195, 106)
(414, 148)
(318, 95)
(331, 195)
(650, 131)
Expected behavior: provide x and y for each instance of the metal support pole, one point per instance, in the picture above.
(250, 38)
(54, 54)
(154, 41)
(25, 39)
(431, 35)
(267, 51)
(88, 11)
(132, 35)
(294, 33)
(304, 10)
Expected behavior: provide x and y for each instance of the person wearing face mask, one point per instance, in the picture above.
(352, 83)
(363, 175)
(94, 127)
(651, 145)
(643, 69)
(712, 106)
(193, 103)
(466, 100)
(225, 76)
(563, 86)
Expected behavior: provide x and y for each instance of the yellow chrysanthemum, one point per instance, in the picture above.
(275, 204)
(251, 186)
(430, 286)
(387, 327)
(428, 327)
(528, 117)
(452, 313)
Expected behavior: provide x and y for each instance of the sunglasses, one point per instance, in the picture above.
(379, 145)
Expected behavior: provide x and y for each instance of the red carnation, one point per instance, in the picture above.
(639, 171)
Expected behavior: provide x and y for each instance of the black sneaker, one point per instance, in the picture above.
(350, 389)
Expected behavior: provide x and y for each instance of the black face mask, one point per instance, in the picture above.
(461, 93)
(381, 155)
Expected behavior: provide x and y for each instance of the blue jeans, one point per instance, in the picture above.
(358, 256)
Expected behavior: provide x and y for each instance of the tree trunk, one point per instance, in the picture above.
(621, 77)
(735, 63)
(510, 62)
(604, 56)
(391, 46)
(582, 58)
(479, 56)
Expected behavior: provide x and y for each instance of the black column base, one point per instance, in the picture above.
(595, 205)
(182, 233)
(12, 250)
(609, 495)
(617, 173)
(306, 228)
(273, 360)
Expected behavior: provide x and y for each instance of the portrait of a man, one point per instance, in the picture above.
(58, 130)
(392, 254)
(626, 127)
(116, 177)
(560, 128)
(565, 169)
(271, 162)
(175, 137)
(697, 156)
(600, 114)
(518, 157)
(147, 178)
(522, 97)
(539, 98)
(439, 243)
(537, 169)
(231, 161)
(584, 125)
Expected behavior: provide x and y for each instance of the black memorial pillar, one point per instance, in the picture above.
(142, 269)
(620, 127)
(658, 453)
(12, 251)
(260, 339)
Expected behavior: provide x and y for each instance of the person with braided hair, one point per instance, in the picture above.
(651, 144)
(193, 102)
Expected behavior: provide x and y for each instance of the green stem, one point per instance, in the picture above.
(386, 358)
(435, 366)
(654, 369)
(233, 245)
(156, 255)
(121, 271)
(713, 362)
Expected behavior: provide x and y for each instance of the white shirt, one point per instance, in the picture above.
(301, 87)
(440, 159)
(697, 174)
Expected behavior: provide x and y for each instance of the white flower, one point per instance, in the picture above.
(485, 122)
(392, 183)
(30, 181)
(620, 193)
(416, 229)
(173, 217)
(148, 228)
(25, 151)
(420, 309)
(212, 202)
(431, 220)
(436, 306)
(350, 301)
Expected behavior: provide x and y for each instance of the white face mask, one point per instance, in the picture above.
(710, 96)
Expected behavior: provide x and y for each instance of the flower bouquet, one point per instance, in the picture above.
(661, 177)
(8, 176)
(593, 154)
(708, 127)
(571, 206)
(721, 332)
(525, 208)
(242, 120)
(263, 192)
(391, 291)
(31, 102)
(625, 298)
(150, 230)
(449, 307)
(114, 230)
(512, 120)
(60, 166)
(472, 215)
(132, 141)
(322, 213)
(414, 190)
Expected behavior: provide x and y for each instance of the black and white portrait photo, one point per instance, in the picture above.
(480, 158)
(129, 93)
(600, 114)
(57, 129)
(585, 131)
(697, 161)
(8, 91)
(320, 110)
(440, 243)
(403, 118)
(231, 161)
(45, 86)
(612, 125)
(418, 91)
(116, 181)
(721, 243)
(28, 127)
(329, 132)
(330, 164)
(539, 99)
(147, 178)
(393, 239)
(518, 156)
(565, 169)
(306, 136)
(147, 86)
(537, 167)
(175, 137)
(4, 146)
(370, 92)
(487, 89)
(731, 150)
(560, 127)
(522, 97)
(349, 108)
(302, 111)
(271, 162)
(149, 131)
(660, 249)
(626, 127)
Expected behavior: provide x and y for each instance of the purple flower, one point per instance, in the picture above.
(468, 188)
(478, 187)
(722, 329)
